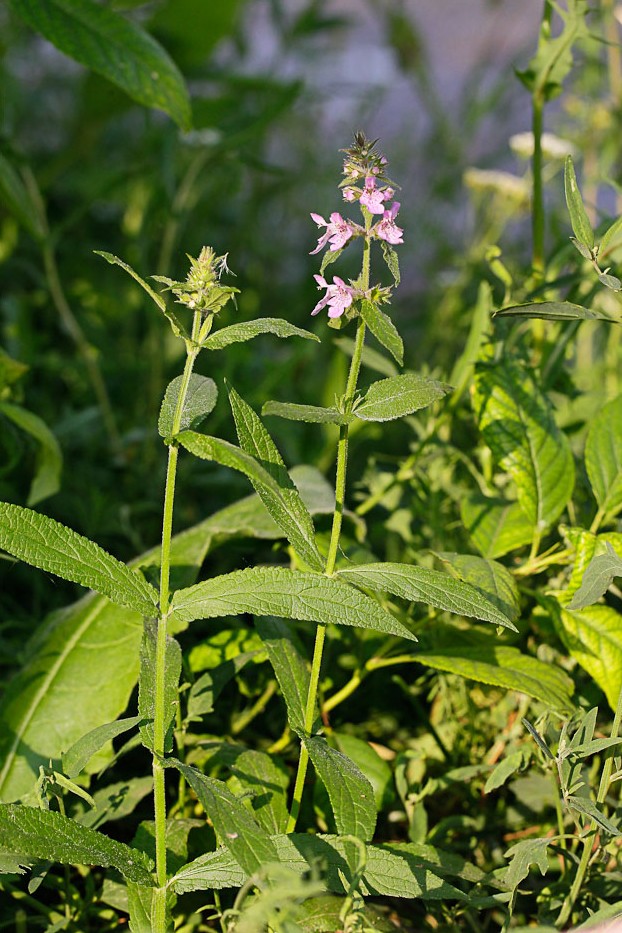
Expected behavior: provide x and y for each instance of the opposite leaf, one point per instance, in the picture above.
(398, 396)
(147, 685)
(273, 485)
(176, 326)
(45, 543)
(420, 584)
(383, 329)
(288, 594)
(238, 333)
(44, 834)
(81, 752)
(351, 794)
(201, 397)
(578, 215)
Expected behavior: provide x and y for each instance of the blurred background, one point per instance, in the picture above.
(277, 88)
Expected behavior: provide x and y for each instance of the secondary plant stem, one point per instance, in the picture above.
(159, 724)
(331, 559)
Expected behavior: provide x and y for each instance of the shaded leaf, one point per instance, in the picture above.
(15, 197)
(578, 215)
(49, 461)
(76, 759)
(505, 667)
(491, 578)
(496, 526)
(523, 854)
(597, 579)
(113, 47)
(588, 808)
(176, 326)
(287, 657)
(262, 776)
(351, 794)
(603, 457)
(147, 685)
(249, 844)
(554, 311)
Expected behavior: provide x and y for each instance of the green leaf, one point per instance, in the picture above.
(578, 215)
(309, 413)
(395, 870)
(113, 47)
(351, 794)
(139, 905)
(11, 370)
(588, 808)
(147, 685)
(375, 769)
(462, 373)
(46, 480)
(76, 759)
(609, 237)
(420, 584)
(206, 689)
(237, 333)
(491, 578)
(390, 257)
(383, 329)
(517, 422)
(593, 636)
(523, 854)
(507, 768)
(45, 543)
(610, 281)
(249, 844)
(287, 657)
(554, 311)
(15, 197)
(273, 485)
(44, 834)
(200, 400)
(176, 325)
(496, 526)
(505, 667)
(603, 457)
(597, 579)
(288, 594)
(91, 641)
(398, 396)
(262, 776)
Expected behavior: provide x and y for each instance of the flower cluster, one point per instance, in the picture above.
(366, 182)
(202, 290)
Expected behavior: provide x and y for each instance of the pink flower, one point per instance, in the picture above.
(387, 229)
(338, 296)
(338, 232)
(349, 194)
(373, 198)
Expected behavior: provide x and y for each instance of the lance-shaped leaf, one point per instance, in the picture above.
(351, 794)
(581, 225)
(395, 870)
(397, 396)
(504, 667)
(588, 808)
(597, 579)
(49, 462)
(76, 759)
(423, 585)
(517, 423)
(555, 311)
(287, 658)
(490, 577)
(383, 329)
(113, 47)
(312, 414)
(238, 333)
(176, 326)
(249, 844)
(48, 545)
(273, 485)
(603, 457)
(200, 400)
(262, 777)
(288, 594)
(14, 195)
(147, 685)
(44, 834)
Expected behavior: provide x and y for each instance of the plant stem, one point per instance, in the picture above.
(588, 837)
(158, 916)
(331, 559)
(537, 208)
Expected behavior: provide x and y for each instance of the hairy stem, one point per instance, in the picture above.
(159, 725)
(331, 559)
